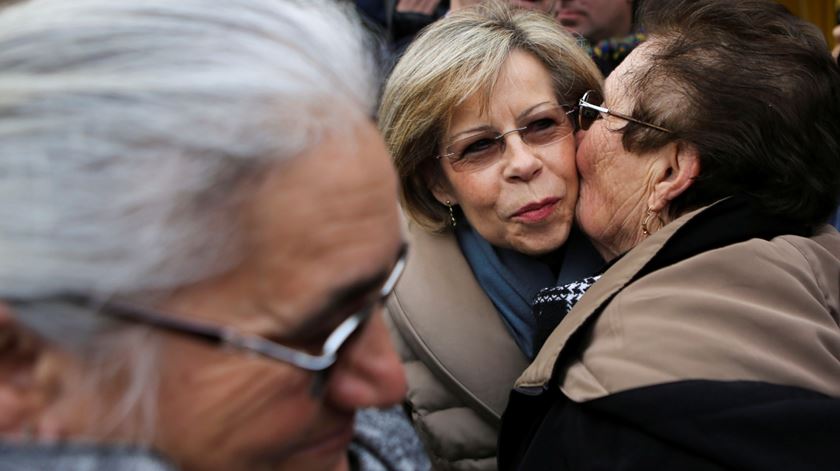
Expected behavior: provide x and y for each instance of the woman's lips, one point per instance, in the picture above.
(536, 212)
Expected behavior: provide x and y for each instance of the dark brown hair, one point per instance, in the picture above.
(755, 90)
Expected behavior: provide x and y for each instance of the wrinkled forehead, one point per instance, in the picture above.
(619, 86)
(327, 218)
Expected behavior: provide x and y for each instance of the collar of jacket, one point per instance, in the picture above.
(452, 326)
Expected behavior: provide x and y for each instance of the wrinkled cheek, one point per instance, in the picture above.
(587, 208)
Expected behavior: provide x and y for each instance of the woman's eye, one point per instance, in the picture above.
(542, 124)
(478, 148)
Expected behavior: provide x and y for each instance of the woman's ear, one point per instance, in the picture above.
(437, 183)
(682, 165)
(28, 377)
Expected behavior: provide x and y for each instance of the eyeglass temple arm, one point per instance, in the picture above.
(329, 353)
(208, 333)
(601, 109)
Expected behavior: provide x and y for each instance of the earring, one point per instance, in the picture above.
(649, 214)
(451, 214)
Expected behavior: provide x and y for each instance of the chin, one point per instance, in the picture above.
(536, 246)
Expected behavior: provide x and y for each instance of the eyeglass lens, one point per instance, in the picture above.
(587, 116)
(481, 150)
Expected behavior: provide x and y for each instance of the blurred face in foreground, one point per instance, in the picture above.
(322, 234)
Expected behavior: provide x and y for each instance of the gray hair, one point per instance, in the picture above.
(127, 126)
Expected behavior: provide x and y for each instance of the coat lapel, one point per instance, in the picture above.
(451, 325)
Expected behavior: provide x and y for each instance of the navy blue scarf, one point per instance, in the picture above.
(512, 279)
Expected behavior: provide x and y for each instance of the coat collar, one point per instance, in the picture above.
(536, 377)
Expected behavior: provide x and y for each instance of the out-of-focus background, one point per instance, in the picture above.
(822, 13)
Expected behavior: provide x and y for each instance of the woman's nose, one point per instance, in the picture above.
(523, 161)
(369, 372)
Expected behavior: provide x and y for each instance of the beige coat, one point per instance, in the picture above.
(460, 360)
(759, 310)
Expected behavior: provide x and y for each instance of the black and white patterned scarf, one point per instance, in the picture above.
(552, 304)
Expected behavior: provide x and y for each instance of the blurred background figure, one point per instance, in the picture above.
(407, 17)
(596, 20)
(198, 225)
(608, 26)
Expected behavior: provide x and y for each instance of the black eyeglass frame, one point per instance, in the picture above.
(230, 337)
(584, 103)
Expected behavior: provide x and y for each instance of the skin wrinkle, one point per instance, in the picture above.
(612, 203)
(269, 402)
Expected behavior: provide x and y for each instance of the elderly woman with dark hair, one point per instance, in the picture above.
(708, 169)
(184, 282)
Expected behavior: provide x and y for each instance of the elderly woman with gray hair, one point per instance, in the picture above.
(198, 224)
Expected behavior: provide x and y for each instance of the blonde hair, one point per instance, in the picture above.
(455, 58)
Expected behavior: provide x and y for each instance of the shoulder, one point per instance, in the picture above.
(761, 310)
(446, 328)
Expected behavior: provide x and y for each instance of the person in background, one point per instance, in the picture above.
(608, 26)
(476, 116)
(708, 169)
(199, 225)
(596, 20)
(407, 17)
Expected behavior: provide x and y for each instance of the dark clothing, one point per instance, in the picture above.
(686, 425)
(404, 26)
(609, 53)
(373, 10)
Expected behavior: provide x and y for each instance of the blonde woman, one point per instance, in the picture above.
(477, 117)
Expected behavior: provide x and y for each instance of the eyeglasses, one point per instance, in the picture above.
(590, 109)
(226, 336)
(477, 151)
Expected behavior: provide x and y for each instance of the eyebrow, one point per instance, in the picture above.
(485, 127)
(342, 296)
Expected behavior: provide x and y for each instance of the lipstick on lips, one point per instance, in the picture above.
(537, 211)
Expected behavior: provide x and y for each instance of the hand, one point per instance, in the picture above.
(426, 7)
(836, 51)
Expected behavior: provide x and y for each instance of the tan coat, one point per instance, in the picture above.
(460, 360)
(760, 310)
